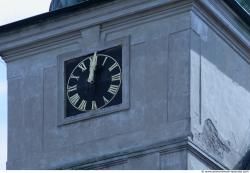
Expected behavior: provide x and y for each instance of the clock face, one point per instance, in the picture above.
(93, 82)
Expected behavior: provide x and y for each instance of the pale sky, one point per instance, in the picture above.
(11, 11)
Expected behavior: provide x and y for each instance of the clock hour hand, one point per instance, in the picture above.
(92, 67)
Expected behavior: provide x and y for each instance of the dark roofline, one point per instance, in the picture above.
(91, 3)
(239, 10)
(44, 16)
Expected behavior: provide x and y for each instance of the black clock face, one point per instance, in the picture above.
(93, 81)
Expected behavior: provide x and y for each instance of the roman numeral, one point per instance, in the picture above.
(74, 77)
(72, 88)
(94, 106)
(104, 61)
(113, 89)
(116, 77)
(82, 66)
(113, 66)
(74, 99)
(105, 100)
(82, 106)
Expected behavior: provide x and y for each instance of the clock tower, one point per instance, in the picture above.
(121, 84)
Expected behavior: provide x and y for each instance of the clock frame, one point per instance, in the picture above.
(63, 117)
(82, 95)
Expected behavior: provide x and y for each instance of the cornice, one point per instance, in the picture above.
(216, 14)
(42, 46)
(181, 143)
(233, 30)
(165, 147)
(205, 157)
(59, 25)
(14, 45)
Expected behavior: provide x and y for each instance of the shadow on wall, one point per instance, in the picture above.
(228, 61)
(225, 99)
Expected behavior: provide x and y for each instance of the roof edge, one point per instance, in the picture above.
(38, 18)
(241, 12)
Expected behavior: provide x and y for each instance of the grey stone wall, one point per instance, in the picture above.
(221, 125)
(185, 88)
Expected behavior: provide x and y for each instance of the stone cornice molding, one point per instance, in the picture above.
(220, 18)
(165, 147)
(18, 42)
(75, 21)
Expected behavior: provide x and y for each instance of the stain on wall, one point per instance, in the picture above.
(212, 141)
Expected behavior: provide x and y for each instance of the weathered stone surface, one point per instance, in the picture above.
(212, 140)
(144, 162)
(174, 160)
(222, 92)
(195, 163)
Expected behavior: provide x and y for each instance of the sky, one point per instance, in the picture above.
(11, 11)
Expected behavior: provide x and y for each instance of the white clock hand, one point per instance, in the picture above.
(93, 63)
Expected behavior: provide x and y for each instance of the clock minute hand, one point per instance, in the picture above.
(93, 63)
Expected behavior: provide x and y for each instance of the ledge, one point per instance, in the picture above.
(45, 16)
